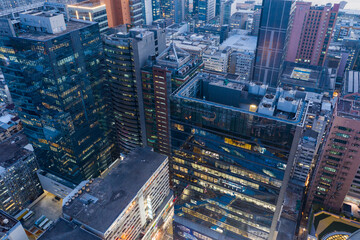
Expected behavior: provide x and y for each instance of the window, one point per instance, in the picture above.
(342, 135)
(330, 169)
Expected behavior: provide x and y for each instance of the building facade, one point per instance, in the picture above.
(310, 33)
(160, 77)
(271, 41)
(129, 12)
(56, 82)
(133, 201)
(232, 157)
(19, 184)
(91, 10)
(125, 54)
(206, 10)
(339, 161)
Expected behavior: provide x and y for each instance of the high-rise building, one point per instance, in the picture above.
(156, 10)
(339, 160)
(310, 33)
(167, 11)
(10, 4)
(160, 77)
(271, 41)
(217, 60)
(125, 54)
(11, 228)
(239, 19)
(228, 8)
(129, 12)
(90, 10)
(179, 11)
(233, 146)
(256, 22)
(133, 201)
(19, 184)
(55, 79)
(206, 10)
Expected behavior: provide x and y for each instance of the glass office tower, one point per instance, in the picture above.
(55, 79)
(271, 41)
(232, 150)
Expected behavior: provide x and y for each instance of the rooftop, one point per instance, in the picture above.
(63, 229)
(106, 198)
(89, 4)
(6, 223)
(282, 104)
(349, 106)
(13, 149)
(71, 26)
(352, 82)
(306, 77)
(173, 56)
(240, 42)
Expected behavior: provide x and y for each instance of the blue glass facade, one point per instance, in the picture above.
(271, 41)
(229, 165)
(57, 86)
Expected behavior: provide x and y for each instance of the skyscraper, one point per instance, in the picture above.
(271, 41)
(124, 12)
(206, 9)
(310, 33)
(90, 10)
(125, 54)
(233, 146)
(339, 160)
(54, 76)
(160, 77)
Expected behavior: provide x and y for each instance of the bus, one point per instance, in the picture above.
(40, 220)
(21, 214)
(47, 225)
(28, 215)
(42, 224)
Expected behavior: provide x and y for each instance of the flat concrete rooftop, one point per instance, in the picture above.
(65, 230)
(107, 197)
(71, 26)
(12, 149)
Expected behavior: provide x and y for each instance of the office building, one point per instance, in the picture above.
(19, 184)
(124, 12)
(206, 10)
(310, 33)
(318, 115)
(9, 125)
(179, 11)
(125, 54)
(133, 201)
(160, 77)
(233, 146)
(243, 53)
(240, 19)
(256, 22)
(339, 162)
(217, 60)
(11, 228)
(90, 10)
(156, 10)
(57, 90)
(228, 8)
(308, 78)
(11, 4)
(221, 30)
(167, 10)
(271, 41)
